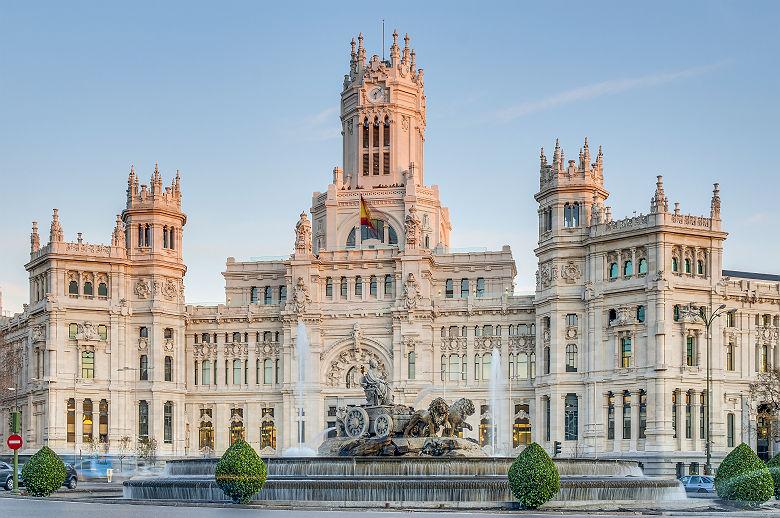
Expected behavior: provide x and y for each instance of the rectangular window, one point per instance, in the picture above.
(196, 370)
(688, 416)
(480, 287)
(571, 417)
(610, 416)
(388, 285)
(268, 371)
(626, 415)
(168, 368)
(103, 421)
(143, 368)
(642, 413)
(168, 423)
(358, 286)
(86, 421)
(702, 414)
(411, 365)
(87, 364)
(464, 288)
(547, 419)
(730, 319)
(730, 357)
(344, 287)
(282, 294)
(375, 168)
(386, 163)
(674, 413)
(454, 367)
(366, 168)
(372, 286)
(71, 423)
(328, 287)
(236, 372)
(730, 430)
(143, 419)
(571, 319)
(689, 351)
(448, 289)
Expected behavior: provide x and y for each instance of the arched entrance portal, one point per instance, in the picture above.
(763, 432)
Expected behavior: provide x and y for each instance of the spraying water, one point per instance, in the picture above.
(424, 392)
(302, 391)
(498, 401)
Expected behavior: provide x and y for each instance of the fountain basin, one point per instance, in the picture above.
(423, 481)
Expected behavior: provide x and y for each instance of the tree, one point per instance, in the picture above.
(146, 449)
(765, 393)
(124, 449)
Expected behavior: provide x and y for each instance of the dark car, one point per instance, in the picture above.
(7, 479)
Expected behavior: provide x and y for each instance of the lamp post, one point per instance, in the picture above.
(708, 319)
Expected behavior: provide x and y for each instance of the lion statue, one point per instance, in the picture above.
(426, 423)
(456, 417)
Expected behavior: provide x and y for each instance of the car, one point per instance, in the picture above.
(698, 484)
(7, 479)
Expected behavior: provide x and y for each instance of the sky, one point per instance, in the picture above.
(243, 97)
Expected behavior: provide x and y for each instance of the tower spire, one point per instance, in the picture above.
(715, 205)
(55, 234)
(35, 239)
(395, 52)
(659, 202)
(405, 59)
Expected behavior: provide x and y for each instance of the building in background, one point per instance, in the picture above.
(606, 357)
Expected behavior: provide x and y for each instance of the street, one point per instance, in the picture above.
(24, 507)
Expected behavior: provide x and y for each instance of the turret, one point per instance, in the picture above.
(55, 234)
(35, 239)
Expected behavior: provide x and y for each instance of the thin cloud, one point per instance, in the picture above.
(613, 86)
(321, 126)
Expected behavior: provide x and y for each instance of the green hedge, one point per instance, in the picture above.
(240, 473)
(743, 476)
(43, 473)
(774, 469)
(533, 477)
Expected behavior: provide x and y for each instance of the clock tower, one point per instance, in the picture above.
(383, 118)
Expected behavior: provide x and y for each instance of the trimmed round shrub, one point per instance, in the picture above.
(743, 476)
(774, 469)
(533, 477)
(240, 473)
(43, 473)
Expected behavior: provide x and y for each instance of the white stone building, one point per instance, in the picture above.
(604, 358)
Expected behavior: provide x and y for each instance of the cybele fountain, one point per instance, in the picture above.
(392, 454)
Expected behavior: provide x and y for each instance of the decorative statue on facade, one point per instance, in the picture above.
(118, 237)
(375, 385)
(412, 227)
(303, 235)
(301, 297)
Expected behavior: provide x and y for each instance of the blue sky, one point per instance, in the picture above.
(242, 98)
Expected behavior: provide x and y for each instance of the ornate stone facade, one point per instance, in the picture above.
(593, 358)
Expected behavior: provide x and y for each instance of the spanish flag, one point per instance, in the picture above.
(366, 219)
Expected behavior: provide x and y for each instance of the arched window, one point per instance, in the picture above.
(143, 419)
(351, 238)
(351, 374)
(140, 235)
(102, 290)
(236, 337)
(103, 421)
(567, 215)
(625, 352)
(205, 338)
(448, 289)
(268, 429)
(236, 431)
(375, 133)
(358, 286)
(392, 236)
(169, 368)
(521, 428)
(700, 267)
(372, 286)
(88, 288)
(171, 239)
(206, 373)
(626, 415)
(640, 314)
(86, 421)
(628, 268)
(165, 237)
(675, 266)
(411, 367)
(386, 131)
(575, 215)
(613, 271)
(610, 415)
(571, 358)
(147, 235)
(168, 422)
(206, 435)
(388, 285)
(365, 137)
(571, 417)
(73, 288)
(643, 265)
(236, 372)
(103, 332)
(267, 295)
(143, 368)
(443, 367)
(344, 287)
(687, 266)
(690, 350)
(571, 319)
(328, 287)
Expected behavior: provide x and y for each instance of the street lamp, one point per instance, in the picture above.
(700, 312)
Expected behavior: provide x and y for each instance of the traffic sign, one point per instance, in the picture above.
(14, 442)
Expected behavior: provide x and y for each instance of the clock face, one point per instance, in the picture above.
(376, 94)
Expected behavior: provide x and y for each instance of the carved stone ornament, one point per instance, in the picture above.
(548, 274)
(337, 372)
(412, 227)
(357, 335)
(87, 331)
(624, 316)
(168, 344)
(571, 272)
(405, 122)
(143, 288)
(301, 296)
(39, 333)
(169, 290)
(412, 295)
(143, 344)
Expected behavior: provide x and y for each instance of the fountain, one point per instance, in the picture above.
(498, 404)
(393, 454)
(302, 391)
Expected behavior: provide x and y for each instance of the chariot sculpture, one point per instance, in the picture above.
(380, 418)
